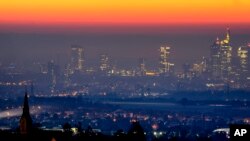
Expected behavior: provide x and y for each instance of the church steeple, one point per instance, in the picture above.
(25, 121)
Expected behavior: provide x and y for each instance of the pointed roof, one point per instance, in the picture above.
(26, 104)
(25, 121)
(26, 109)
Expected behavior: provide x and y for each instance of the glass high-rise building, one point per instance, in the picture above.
(52, 72)
(77, 57)
(142, 67)
(104, 62)
(164, 64)
(215, 55)
(226, 56)
(243, 57)
(221, 58)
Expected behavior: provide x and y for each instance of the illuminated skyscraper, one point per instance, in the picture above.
(165, 65)
(221, 58)
(243, 57)
(215, 55)
(104, 62)
(226, 56)
(52, 70)
(77, 57)
(142, 67)
(67, 73)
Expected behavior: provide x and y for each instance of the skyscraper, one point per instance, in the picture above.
(226, 56)
(25, 121)
(243, 57)
(142, 67)
(165, 65)
(215, 55)
(77, 57)
(52, 71)
(221, 58)
(104, 62)
(67, 74)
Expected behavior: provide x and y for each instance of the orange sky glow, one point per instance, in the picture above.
(123, 11)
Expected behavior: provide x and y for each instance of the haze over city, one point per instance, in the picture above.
(120, 28)
(137, 70)
(188, 42)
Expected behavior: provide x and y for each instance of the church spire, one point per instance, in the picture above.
(26, 104)
(25, 121)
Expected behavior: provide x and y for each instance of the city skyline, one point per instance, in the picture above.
(43, 29)
(144, 70)
(125, 57)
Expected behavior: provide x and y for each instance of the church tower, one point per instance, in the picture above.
(25, 121)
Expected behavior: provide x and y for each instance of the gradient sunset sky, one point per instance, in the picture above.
(123, 11)
(43, 28)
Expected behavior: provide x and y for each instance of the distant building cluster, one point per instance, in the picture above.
(226, 66)
(197, 102)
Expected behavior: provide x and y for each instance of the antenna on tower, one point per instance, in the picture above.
(228, 34)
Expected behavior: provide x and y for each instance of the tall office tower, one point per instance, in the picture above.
(104, 62)
(142, 67)
(52, 75)
(204, 64)
(165, 65)
(67, 73)
(77, 57)
(221, 58)
(226, 56)
(25, 121)
(215, 65)
(243, 57)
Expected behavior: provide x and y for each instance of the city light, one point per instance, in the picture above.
(134, 70)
